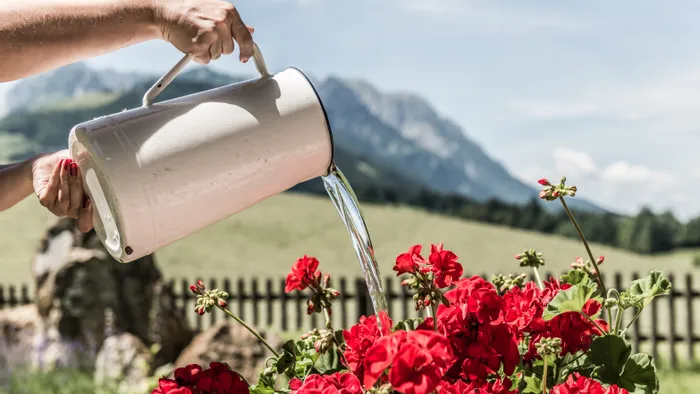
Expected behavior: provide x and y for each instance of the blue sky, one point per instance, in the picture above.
(605, 92)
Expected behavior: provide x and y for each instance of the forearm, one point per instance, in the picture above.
(15, 183)
(38, 35)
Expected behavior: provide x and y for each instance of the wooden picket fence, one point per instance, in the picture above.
(666, 329)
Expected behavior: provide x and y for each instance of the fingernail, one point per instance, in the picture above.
(73, 169)
(66, 164)
(245, 59)
(86, 202)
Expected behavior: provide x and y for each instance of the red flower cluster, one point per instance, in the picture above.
(479, 337)
(337, 383)
(360, 338)
(577, 384)
(524, 309)
(219, 378)
(442, 263)
(416, 360)
(304, 273)
(461, 387)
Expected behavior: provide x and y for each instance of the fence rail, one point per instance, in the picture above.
(666, 329)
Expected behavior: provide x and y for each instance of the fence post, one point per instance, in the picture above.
(2, 297)
(240, 298)
(297, 306)
(255, 295)
(344, 296)
(283, 305)
(405, 297)
(361, 297)
(690, 297)
(672, 324)
(390, 295)
(214, 312)
(24, 298)
(268, 300)
(13, 296)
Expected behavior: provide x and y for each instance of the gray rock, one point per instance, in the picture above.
(123, 365)
(229, 342)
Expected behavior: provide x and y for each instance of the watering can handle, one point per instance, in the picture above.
(168, 77)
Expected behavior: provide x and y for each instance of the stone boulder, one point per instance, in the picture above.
(17, 328)
(229, 342)
(123, 365)
(84, 296)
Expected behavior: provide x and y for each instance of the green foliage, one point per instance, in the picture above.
(614, 364)
(643, 291)
(570, 300)
(55, 382)
(408, 325)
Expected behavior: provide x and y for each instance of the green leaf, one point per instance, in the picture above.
(329, 362)
(261, 390)
(639, 373)
(575, 277)
(287, 358)
(408, 325)
(643, 291)
(531, 385)
(570, 300)
(609, 354)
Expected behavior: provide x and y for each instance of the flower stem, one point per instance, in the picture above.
(636, 316)
(252, 331)
(327, 315)
(544, 375)
(618, 319)
(537, 276)
(588, 250)
(433, 314)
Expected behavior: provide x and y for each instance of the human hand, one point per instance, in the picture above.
(59, 187)
(204, 29)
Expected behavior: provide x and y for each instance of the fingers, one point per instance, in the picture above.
(85, 215)
(63, 202)
(76, 190)
(242, 35)
(225, 39)
(48, 196)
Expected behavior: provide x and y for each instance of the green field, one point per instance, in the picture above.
(264, 241)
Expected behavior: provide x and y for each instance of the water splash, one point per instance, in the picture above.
(346, 203)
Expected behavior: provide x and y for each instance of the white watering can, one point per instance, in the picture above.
(158, 173)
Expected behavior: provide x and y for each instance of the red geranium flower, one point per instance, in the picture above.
(577, 384)
(408, 263)
(360, 338)
(478, 387)
(170, 386)
(337, 383)
(303, 274)
(219, 378)
(444, 266)
(417, 361)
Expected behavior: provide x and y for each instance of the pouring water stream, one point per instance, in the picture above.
(346, 203)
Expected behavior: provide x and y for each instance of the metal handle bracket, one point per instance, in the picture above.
(168, 77)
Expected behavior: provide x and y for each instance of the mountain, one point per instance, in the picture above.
(394, 142)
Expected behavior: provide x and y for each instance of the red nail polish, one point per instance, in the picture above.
(66, 164)
(73, 169)
(86, 202)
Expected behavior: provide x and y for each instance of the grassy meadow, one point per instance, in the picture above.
(264, 241)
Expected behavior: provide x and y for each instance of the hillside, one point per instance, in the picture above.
(400, 137)
(265, 240)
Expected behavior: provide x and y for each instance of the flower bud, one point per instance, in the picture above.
(518, 256)
(194, 289)
(555, 193)
(601, 260)
(222, 303)
(543, 194)
(543, 182)
(201, 310)
(200, 285)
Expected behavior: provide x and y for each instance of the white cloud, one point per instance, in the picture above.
(573, 163)
(546, 110)
(626, 173)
